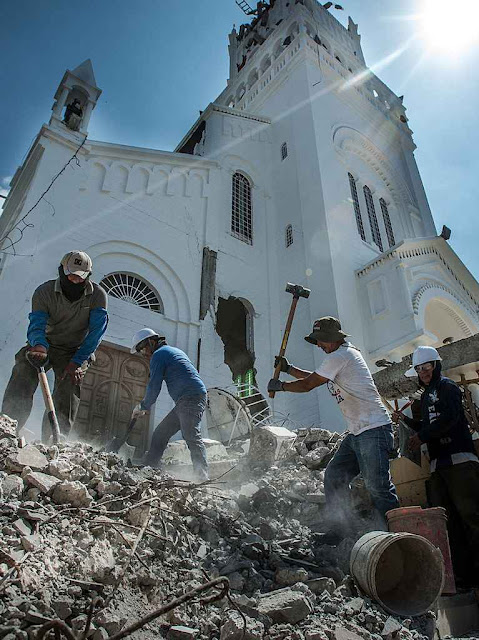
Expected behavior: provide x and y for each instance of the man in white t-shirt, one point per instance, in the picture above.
(369, 440)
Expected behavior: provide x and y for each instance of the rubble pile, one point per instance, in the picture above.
(96, 546)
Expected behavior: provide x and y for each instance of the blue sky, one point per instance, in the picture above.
(160, 61)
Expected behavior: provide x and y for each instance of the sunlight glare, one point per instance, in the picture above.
(450, 26)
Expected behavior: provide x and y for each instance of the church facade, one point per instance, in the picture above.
(302, 170)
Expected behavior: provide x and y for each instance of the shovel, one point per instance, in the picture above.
(118, 441)
(40, 361)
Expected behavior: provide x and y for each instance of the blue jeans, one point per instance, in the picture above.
(185, 416)
(368, 454)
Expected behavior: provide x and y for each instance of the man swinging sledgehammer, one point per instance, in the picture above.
(367, 446)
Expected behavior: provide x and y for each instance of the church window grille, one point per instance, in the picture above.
(132, 289)
(241, 209)
(387, 222)
(284, 151)
(289, 235)
(357, 208)
(373, 219)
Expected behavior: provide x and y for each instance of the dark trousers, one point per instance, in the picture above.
(185, 417)
(456, 488)
(18, 397)
(368, 454)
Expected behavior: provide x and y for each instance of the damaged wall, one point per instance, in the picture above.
(234, 326)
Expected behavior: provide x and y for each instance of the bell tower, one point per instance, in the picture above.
(75, 99)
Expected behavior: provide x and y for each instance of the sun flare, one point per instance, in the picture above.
(451, 27)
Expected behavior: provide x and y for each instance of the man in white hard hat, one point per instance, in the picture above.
(67, 322)
(186, 388)
(454, 482)
(367, 446)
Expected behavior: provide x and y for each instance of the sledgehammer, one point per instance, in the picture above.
(39, 361)
(298, 292)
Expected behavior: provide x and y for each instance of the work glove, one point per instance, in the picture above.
(275, 385)
(137, 412)
(285, 366)
(38, 353)
(74, 372)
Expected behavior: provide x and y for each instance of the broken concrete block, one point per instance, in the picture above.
(74, 493)
(287, 577)
(233, 628)
(341, 633)
(319, 585)
(12, 487)
(315, 634)
(60, 469)
(285, 605)
(99, 634)
(29, 456)
(22, 527)
(356, 605)
(249, 489)
(315, 459)
(100, 562)
(391, 627)
(8, 427)
(179, 632)
(62, 607)
(269, 444)
(41, 481)
(31, 542)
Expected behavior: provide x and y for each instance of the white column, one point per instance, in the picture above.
(86, 116)
(60, 103)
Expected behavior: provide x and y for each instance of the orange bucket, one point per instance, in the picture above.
(430, 524)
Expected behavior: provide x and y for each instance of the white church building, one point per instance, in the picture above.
(302, 170)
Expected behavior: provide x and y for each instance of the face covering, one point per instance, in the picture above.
(71, 290)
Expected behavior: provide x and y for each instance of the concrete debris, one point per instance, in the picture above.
(79, 527)
(285, 605)
(74, 493)
(30, 456)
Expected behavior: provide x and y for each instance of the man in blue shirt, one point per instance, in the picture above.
(454, 481)
(67, 323)
(187, 390)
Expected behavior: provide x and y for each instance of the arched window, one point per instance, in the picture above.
(373, 220)
(241, 209)
(289, 235)
(357, 208)
(387, 222)
(131, 288)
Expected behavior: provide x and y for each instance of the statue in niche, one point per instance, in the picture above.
(73, 115)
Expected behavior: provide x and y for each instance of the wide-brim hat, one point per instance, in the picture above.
(327, 329)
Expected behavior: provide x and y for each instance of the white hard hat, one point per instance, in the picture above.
(421, 356)
(141, 335)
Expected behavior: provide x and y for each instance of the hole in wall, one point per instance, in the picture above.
(234, 327)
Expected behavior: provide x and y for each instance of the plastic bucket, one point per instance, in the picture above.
(403, 572)
(430, 524)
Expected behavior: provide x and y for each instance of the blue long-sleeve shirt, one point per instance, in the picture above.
(71, 326)
(174, 367)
